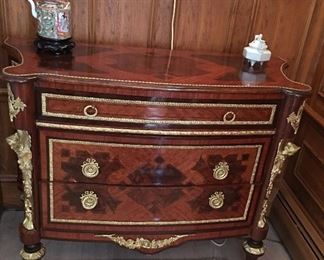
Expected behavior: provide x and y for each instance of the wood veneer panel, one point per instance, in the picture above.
(242, 18)
(317, 100)
(10, 197)
(304, 177)
(285, 33)
(311, 58)
(125, 22)
(160, 29)
(205, 24)
(19, 19)
(82, 18)
(284, 222)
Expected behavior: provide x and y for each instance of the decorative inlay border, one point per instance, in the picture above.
(146, 223)
(154, 132)
(37, 74)
(45, 112)
(160, 223)
(51, 142)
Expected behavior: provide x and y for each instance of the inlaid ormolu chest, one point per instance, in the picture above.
(148, 150)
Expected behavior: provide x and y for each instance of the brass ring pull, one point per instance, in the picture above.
(90, 168)
(89, 200)
(229, 117)
(221, 170)
(90, 111)
(216, 200)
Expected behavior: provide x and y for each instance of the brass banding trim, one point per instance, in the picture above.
(38, 74)
(51, 142)
(112, 222)
(151, 103)
(154, 132)
(146, 223)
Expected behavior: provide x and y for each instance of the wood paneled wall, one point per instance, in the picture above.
(292, 28)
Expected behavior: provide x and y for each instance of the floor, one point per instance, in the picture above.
(202, 250)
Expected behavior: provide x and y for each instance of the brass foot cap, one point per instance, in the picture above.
(253, 250)
(32, 256)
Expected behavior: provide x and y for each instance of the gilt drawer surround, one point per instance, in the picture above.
(148, 148)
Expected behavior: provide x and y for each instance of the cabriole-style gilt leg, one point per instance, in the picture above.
(20, 142)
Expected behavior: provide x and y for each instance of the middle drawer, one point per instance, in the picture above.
(147, 164)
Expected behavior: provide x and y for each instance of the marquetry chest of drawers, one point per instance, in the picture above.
(148, 148)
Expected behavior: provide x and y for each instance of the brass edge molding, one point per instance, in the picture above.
(38, 74)
(142, 243)
(160, 223)
(45, 112)
(15, 104)
(20, 142)
(46, 95)
(145, 223)
(290, 80)
(32, 256)
(259, 147)
(285, 150)
(253, 250)
(294, 119)
(154, 132)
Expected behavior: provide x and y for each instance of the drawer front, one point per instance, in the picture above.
(153, 112)
(147, 164)
(124, 205)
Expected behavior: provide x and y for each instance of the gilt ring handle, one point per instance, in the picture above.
(90, 168)
(216, 200)
(229, 117)
(90, 111)
(221, 171)
(89, 200)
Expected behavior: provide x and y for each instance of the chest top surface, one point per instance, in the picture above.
(147, 66)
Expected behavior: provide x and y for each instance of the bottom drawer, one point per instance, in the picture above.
(94, 204)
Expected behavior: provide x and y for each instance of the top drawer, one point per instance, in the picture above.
(155, 112)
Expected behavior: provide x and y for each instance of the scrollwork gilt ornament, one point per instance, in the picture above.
(284, 151)
(20, 142)
(139, 243)
(15, 104)
(294, 119)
